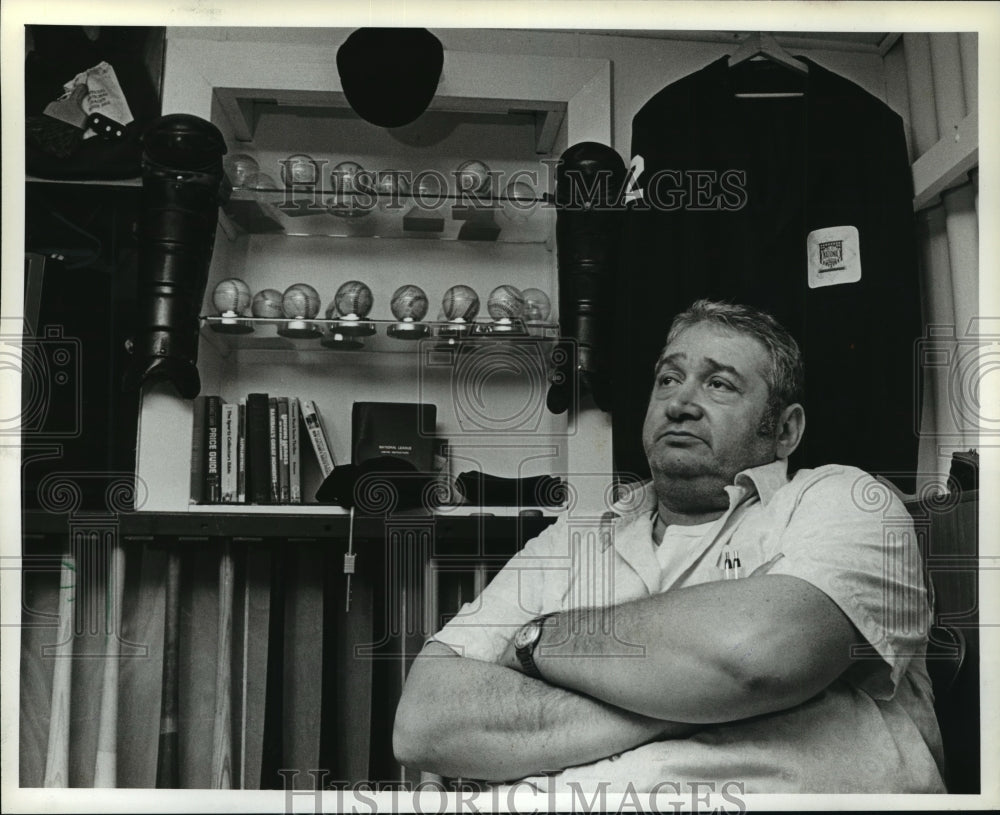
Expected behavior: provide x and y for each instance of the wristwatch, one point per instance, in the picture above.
(525, 640)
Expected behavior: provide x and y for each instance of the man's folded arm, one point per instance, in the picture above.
(474, 719)
(714, 652)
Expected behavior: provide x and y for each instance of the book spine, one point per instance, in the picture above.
(258, 455)
(272, 407)
(294, 456)
(213, 422)
(197, 493)
(317, 435)
(241, 454)
(229, 452)
(284, 493)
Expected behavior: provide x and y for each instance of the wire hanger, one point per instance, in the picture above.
(762, 46)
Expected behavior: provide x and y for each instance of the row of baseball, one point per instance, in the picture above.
(354, 299)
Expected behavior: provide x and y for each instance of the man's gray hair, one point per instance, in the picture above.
(785, 374)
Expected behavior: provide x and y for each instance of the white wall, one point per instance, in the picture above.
(641, 66)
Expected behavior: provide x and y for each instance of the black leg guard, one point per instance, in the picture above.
(590, 180)
(182, 185)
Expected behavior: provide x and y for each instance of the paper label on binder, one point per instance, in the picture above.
(833, 256)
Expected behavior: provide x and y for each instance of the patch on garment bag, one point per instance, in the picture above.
(833, 256)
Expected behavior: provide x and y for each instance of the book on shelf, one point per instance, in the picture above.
(404, 430)
(213, 430)
(251, 450)
(241, 453)
(258, 449)
(390, 441)
(272, 427)
(315, 429)
(284, 493)
(294, 456)
(197, 485)
(229, 452)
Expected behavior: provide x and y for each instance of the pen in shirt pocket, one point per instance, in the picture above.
(732, 568)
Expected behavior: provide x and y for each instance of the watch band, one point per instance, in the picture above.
(526, 653)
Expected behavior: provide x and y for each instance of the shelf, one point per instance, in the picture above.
(245, 108)
(458, 535)
(465, 537)
(228, 334)
(447, 217)
(86, 182)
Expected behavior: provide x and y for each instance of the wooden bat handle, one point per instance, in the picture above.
(57, 758)
(222, 758)
(166, 759)
(106, 763)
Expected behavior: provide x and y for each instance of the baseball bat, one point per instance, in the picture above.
(57, 757)
(166, 757)
(106, 762)
(244, 676)
(222, 758)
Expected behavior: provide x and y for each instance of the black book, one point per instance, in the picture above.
(403, 430)
(284, 482)
(197, 494)
(272, 449)
(258, 449)
(213, 447)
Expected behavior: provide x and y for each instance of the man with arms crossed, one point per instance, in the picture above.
(649, 651)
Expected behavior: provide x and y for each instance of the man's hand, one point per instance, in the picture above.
(509, 658)
(464, 717)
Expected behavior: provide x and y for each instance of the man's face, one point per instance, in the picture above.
(708, 399)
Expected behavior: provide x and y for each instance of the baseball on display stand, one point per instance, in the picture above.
(354, 299)
(300, 170)
(349, 180)
(231, 297)
(472, 177)
(352, 303)
(392, 186)
(267, 304)
(260, 181)
(300, 302)
(460, 303)
(537, 306)
(409, 306)
(505, 303)
(409, 302)
(520, 202)
(239, 168)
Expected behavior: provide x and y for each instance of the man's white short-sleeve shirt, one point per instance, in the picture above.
(872, 730)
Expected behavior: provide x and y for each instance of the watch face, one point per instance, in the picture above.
(526, 635)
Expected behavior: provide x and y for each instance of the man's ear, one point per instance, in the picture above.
(791, 426)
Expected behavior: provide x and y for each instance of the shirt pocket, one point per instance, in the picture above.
(756, 545)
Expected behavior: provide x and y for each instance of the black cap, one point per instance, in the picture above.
(378, 485)
(390, 75)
